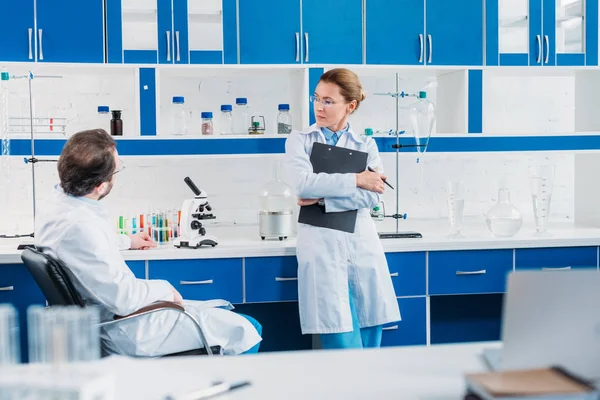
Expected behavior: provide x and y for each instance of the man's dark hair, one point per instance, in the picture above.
(86, 161)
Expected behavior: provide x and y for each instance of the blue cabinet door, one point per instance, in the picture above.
(536, 37)
(549, 27)
(270, 32)
(557, 258)
(166, 41)
(454, 33)
(389, 42)
(180, 31)
(70, 31)
(17, 287)
(17, 29)
(332, 34)
(412, 330)
(508, 32)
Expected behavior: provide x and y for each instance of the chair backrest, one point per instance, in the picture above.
(51, 277)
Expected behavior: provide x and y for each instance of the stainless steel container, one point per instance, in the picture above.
(276, 224)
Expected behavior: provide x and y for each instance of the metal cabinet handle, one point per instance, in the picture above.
(7, 288)
(168, 45)
(177, 46)
(539, 43)
(421, 44)
(279, 279)
(480, 272)
(557, 269)
(30, 33)
(390, 328)
(395, 274)
(547, 41)
(297, 46)
(41, 44)
(306, 45)
(207, 282)
(430, 48)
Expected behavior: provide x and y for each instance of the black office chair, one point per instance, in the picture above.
(58, 289)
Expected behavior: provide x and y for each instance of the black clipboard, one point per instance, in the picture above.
(332, 159)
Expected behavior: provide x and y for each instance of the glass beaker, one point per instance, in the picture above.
(9, 335)
(541, 180)
(455, 196)
(63, 334)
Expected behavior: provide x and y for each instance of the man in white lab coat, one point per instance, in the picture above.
(74, 227)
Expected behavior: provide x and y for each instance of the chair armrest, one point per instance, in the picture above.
(154, 306)
(161, 306)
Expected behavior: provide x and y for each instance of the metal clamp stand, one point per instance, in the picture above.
(397, 216)
(32, 160)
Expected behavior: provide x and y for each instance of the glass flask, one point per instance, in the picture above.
(541, 180)
(276, 195)
(455, 196)
(503, 219)
(422, 118)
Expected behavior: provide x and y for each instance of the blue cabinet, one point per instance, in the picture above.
(61, 33)
(332, 34)
(412, 330)
(557, 259)
(70, 31)
(542, 33)
(271, 279)
(138, 268)
(202, 279)
(469, 272)
(270, 32)
(17, 287)
(454, 32)
(408, 272)
(389, 42)
(18, 30)
(415, 32)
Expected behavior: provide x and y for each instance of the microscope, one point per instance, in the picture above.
(193, 234)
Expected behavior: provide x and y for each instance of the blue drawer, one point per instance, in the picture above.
(271, 279)
(469, 272)
(557, 258)
(17, 287)
(202, 279)
(138, 268)
(412, 330)
(409, 273)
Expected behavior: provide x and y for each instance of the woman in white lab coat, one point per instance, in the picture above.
(344, 285)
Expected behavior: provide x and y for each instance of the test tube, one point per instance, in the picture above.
(9, 335)
(63, 334)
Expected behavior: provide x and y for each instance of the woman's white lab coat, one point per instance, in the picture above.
(332, 265)
(77, 231)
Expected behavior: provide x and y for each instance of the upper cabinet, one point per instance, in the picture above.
(436, 32)
(61, 33)
(171, 31)
(291, 32)
(542, 32)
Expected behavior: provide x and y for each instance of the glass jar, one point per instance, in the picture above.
(284, 119)
(207, 123)
(503, 219)
(226, 122)
(241, 121)
(103, 120)
(179, 116)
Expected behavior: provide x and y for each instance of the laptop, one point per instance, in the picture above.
(550, 318)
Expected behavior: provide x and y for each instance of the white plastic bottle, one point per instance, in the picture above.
(179, 116)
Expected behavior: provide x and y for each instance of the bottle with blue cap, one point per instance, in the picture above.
(207, 123)
(103, 119)
(284, 119)
(226, 122)
(241, 122)
(180, 123)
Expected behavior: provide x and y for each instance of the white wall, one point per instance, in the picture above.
(233, 183)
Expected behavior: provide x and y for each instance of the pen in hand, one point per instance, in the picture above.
(384, 181)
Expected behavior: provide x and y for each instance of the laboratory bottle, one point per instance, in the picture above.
(241, 122)
(284, 119)
(103, 119)
(116, 123)
(226, 122)
(207, 123)
(179, 116)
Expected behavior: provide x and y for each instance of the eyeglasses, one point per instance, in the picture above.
(120, 167)
(324, 103)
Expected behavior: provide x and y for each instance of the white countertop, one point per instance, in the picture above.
(246, 242)
(419, 372)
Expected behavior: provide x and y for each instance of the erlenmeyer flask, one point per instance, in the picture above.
(422, 118)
